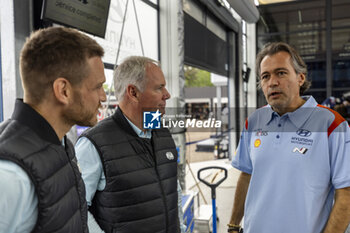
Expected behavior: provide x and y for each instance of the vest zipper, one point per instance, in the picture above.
(164, 200)
(153, 154)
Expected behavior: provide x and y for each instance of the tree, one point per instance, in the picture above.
(195, 77)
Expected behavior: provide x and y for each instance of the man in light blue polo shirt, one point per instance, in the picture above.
(293, 154)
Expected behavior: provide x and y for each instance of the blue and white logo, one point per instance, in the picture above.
(303, 132)
(151, 120)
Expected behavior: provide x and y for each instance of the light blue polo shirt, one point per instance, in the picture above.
(296, 161)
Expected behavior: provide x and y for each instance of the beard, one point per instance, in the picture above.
(77, 114)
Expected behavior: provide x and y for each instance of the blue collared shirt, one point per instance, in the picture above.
(296, 162)
(139, 132)
(18, 206)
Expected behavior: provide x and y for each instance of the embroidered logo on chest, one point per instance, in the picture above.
(261, 132)
(169, 155)
(303, 132)
(302, 150)
(303, 139)
(257, 143)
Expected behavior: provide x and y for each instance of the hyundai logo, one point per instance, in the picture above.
(303, 132)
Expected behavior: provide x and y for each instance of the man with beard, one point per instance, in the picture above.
(130, 172)
(41, 187)
(293, 154)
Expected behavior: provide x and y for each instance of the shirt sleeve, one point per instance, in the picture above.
(91, 168)
(241, 159)
(339, 148)
(18, 201)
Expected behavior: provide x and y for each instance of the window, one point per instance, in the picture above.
(140, 33)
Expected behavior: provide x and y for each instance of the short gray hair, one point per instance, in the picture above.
(131, 71)
(297, 62)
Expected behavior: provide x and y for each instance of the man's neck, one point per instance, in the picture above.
(132, 115)
(292, 108)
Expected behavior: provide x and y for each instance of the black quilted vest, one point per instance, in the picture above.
(141, 179)
(28, 140)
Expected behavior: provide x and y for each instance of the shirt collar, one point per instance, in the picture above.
(267, 113)
(139, 132)
(299, 116)
(26, 115)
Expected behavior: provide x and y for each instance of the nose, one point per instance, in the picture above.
(166, 94)
(273, 81)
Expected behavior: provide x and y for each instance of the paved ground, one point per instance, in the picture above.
(224, 193)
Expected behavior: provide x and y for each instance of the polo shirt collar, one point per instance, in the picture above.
(268, 114)
(299, 116)
(27, 116)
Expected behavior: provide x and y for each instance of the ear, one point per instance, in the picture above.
(62, 90)
(133, 93)
(301, 79)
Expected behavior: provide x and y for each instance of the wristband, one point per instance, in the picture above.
(233, 227)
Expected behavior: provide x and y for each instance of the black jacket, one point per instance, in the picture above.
(28, 140)
(141, 179)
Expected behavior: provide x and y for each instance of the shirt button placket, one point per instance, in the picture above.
(278, 133)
